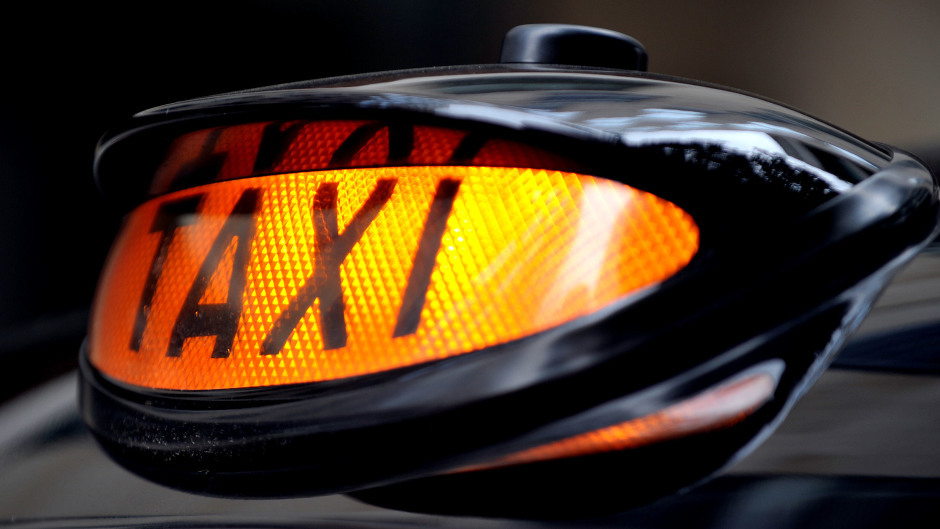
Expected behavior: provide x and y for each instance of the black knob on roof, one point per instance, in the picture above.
(572, 45)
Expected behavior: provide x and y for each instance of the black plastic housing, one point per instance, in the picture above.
(796, 244)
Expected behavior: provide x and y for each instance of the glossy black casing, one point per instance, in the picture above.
(801, 225)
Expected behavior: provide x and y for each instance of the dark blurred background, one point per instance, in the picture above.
(72, 70)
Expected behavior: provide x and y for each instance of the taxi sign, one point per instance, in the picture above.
(313, 276)
(434, 289)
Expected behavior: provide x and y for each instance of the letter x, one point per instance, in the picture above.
(325, 283)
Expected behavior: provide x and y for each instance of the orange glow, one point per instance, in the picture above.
(507, 253)
(713, 409)
(275, 147)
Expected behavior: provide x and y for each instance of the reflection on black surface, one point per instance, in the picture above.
(60, 473)
(830, 162)
(912, 350)
(776, 502)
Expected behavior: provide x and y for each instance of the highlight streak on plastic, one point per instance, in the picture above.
(442, 261)
(720, 407)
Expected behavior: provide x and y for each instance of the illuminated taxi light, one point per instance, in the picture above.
(720, 407)
(323, 275)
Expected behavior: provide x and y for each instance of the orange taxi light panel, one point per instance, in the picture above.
(720, 407)
(324, 275)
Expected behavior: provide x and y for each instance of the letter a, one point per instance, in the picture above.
(219, 319)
